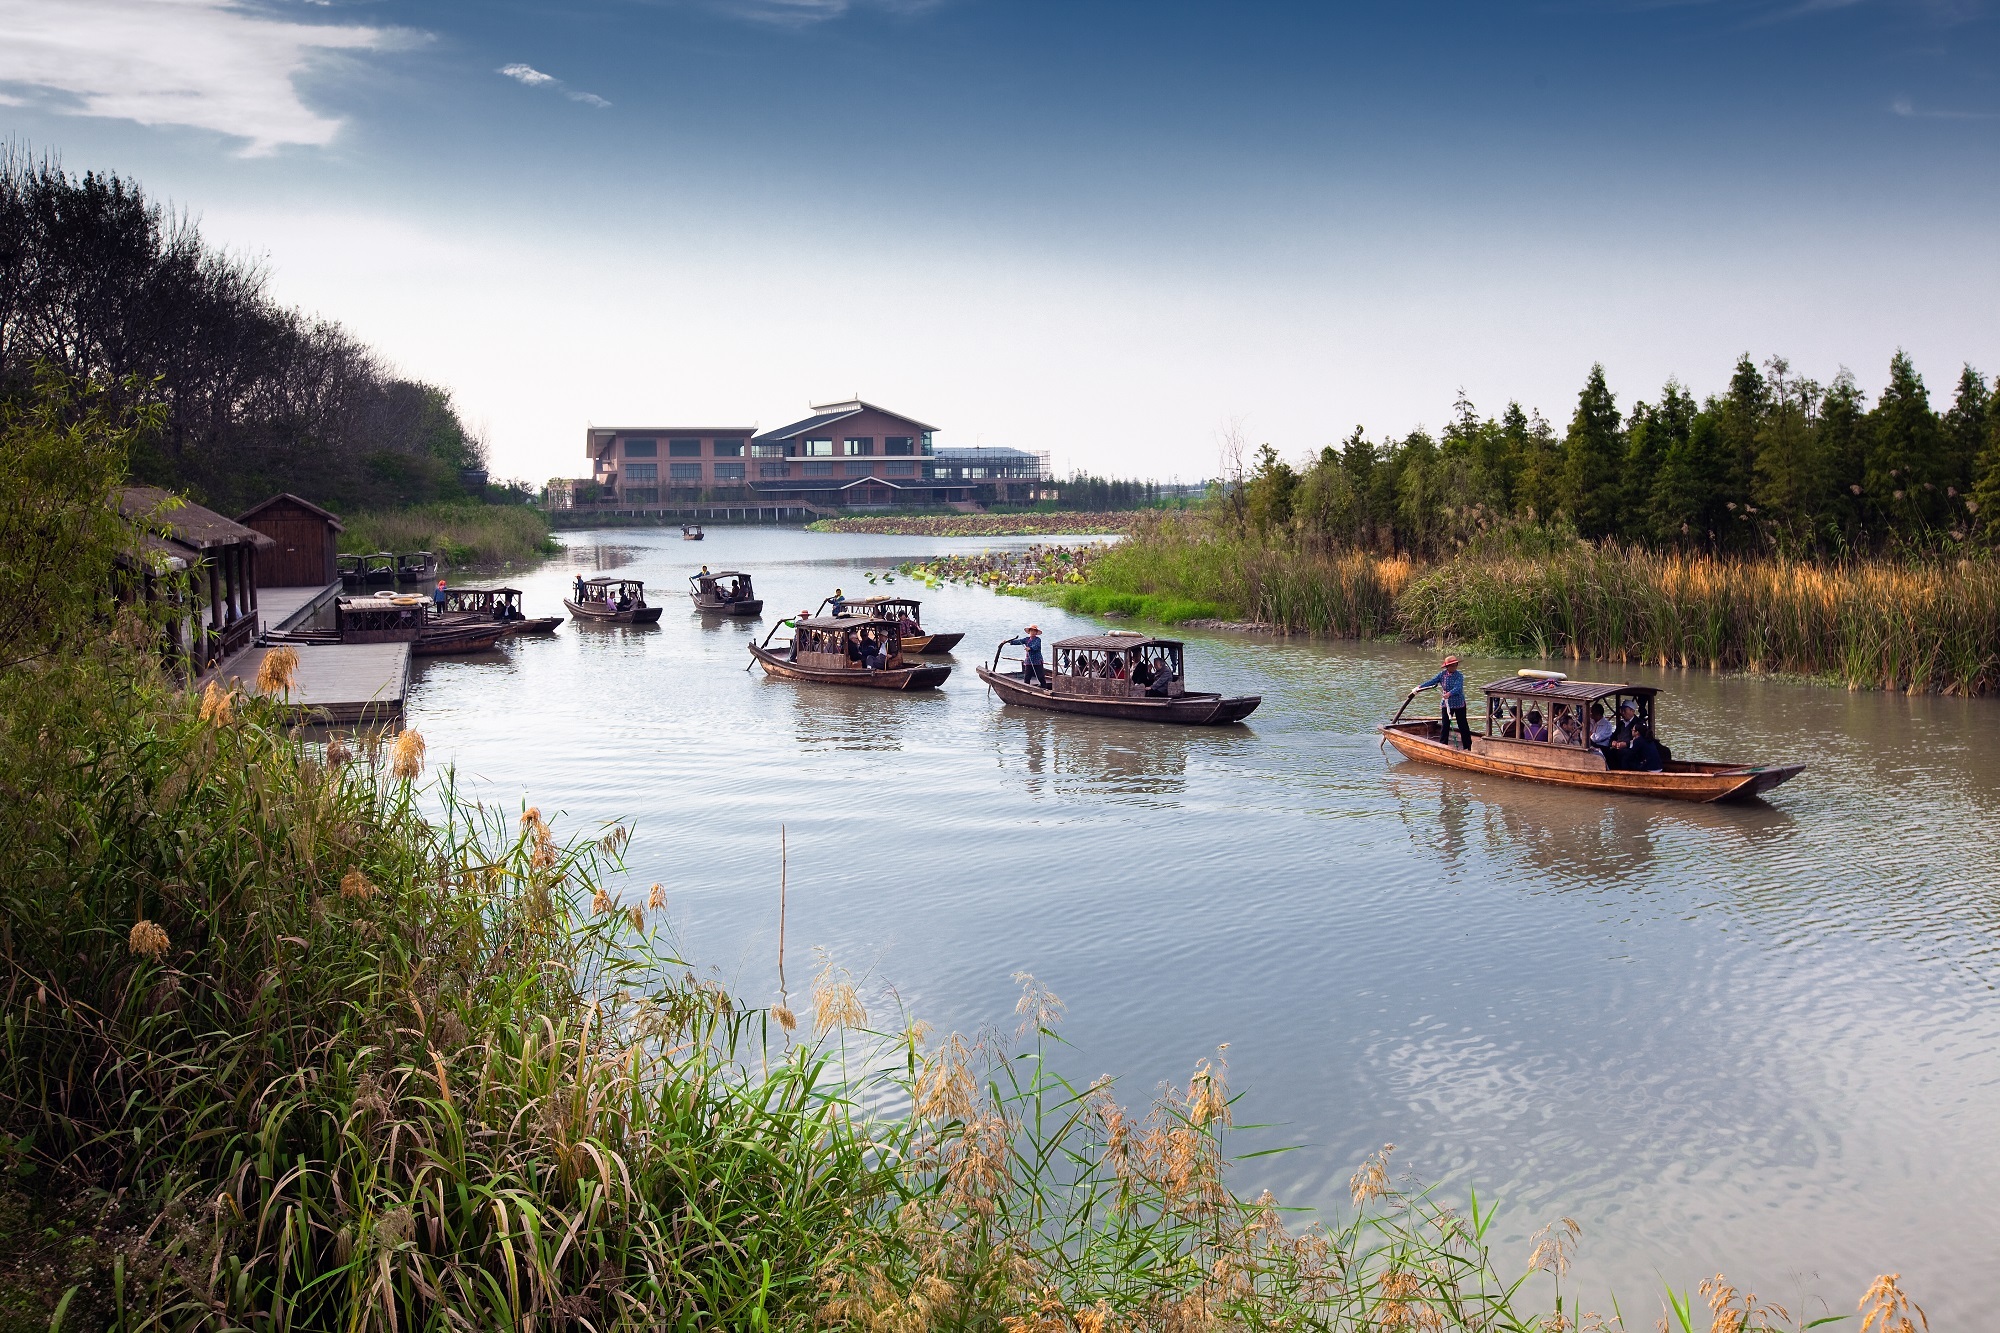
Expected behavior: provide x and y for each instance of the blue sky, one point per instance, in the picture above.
(1115, 231)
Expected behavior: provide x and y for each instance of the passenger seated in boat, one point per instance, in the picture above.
(874, 654)
(1602, 728)
(1510, 720)
(908, 625)
(1535, 731)
(1142, 672)
(1566, 731)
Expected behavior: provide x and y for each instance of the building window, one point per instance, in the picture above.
(927, 442)
(860, 469)
(642, 448)
(642, 472)
(770, 451)
(860, 447)
(902, 469)
(729, 449)
(684, 448)
(898, 444)
(729, 472)
(684, 472)
(643, 495)
(819, 469)
(774, 470)
(818, 449)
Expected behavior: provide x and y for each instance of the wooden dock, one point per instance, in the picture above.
(338, 684)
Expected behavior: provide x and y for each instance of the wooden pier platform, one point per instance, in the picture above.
(338, 684)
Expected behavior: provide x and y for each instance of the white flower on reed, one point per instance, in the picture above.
(656, 901)
(218, 706)
(787, 1020)
(835, 1001)
(147, 940)
(278, 672)
(406, 759)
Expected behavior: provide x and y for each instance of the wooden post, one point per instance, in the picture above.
(214, 626)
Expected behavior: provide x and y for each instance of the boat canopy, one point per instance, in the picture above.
(1567, 691)
(601, 581)
(718, 574)
(880, 602)
(843, 623)
(1117, 641)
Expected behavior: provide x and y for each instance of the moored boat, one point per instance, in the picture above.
(845, 650)
(902, 610)
(378, 570)
(415, 566)
(390, 617)
(609, 601)
(348, 566)
(1538, 728)
(1123, 674)
(736, 597)
(500, 606)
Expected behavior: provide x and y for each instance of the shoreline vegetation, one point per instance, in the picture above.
(294, 1041)
(1030, 523)
(461, 533)
(1917, 625)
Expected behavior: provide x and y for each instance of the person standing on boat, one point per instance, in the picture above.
(1452, 682)
(1032, 671)
(838, 601)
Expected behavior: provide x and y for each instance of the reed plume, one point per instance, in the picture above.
(406, 757)
(277, 673)
(147, 940)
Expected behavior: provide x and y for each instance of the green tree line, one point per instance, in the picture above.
(1776, 462)
(101, 284)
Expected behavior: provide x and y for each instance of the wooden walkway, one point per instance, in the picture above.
(283, 608)
(338, 684)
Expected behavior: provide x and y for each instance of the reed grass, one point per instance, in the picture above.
(458, 533)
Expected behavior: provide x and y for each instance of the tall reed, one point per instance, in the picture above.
(459, 533)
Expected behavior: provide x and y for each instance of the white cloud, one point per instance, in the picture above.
(534, 78)
(208, 64)
(1903, 106)
(801, 12)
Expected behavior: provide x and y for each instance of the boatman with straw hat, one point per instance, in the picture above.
(1452, 683)
(1032, 671)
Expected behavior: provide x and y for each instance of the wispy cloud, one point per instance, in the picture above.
(534, 78)
(216, 65)
(1903, 106)
(801, 12)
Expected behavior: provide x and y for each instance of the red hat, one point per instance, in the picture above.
(1451, 659)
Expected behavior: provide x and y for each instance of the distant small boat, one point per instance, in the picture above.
(415, 566)
(899, 609)
(378, 570)
(1559, 709)
(692, 534)
(826, 650)
(349, 569)
(738, 598)
(609, 601)
(1087, 679)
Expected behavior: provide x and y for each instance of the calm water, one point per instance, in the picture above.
(1763, 1039)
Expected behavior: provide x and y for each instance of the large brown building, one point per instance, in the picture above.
(847, 455)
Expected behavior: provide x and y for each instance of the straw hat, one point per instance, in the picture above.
(1451, 659)
(1034, 629)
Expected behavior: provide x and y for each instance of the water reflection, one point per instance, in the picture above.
(1092, 758)
(834, 717)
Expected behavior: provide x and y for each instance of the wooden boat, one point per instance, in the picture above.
(349, 569)
(438, 640)
(408, 618)
(415, 566)
(692, 534)
(609, 601)
(819, 652)
(1084, 681)
(378, 570)
(1567, 759)
(501, 606)
(739, 598)
(901, 609)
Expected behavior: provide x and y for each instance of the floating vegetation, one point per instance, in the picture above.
(982, 525)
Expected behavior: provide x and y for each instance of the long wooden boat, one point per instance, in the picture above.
(378, 570)
(1515, 712)
(501, 606)
(609, 601)
(441, 640)
(903, 610)
(819, 652)
(712, 596)
(1094, 674)
(408, 618)
(693, 534)
(415, 566)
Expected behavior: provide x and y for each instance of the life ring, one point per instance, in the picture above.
(1530, 673)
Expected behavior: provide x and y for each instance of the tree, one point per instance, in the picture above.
(1843, 455)
(1965, 433)
(1268, 494)
(1791, 484)
(1591, 453)
(1906, 468)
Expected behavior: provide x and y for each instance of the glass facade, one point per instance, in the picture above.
(642, 448)
(819, 469)
(770, 451)
(684, 472)
(898, 444)
(729, 449)
(729, 472)
(902, 469)
(859, 446)
(642, 472)
(684, 448)
(817, 449)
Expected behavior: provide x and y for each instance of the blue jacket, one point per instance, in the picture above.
(1034, 646)
(1454, 686)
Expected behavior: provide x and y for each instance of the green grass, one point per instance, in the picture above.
(460, 533)
(1157, 608)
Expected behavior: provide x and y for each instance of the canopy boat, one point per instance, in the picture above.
(378, 570)
(727, 592)
(500, 606)
(1122, 674)
(902, 610)
(415, 566)
(692, 534)
(408, 618)
(349, 568)
(609, 601)
(1538, 726)
(846, 650)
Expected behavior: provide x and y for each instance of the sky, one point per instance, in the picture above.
(1118, 231)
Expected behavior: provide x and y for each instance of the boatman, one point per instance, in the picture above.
(1031, 659)
(1452, 683)
(838, 601)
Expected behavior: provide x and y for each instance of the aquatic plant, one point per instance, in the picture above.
(458, 533)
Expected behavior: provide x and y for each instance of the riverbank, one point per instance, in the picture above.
(1918, 627)
(982, 525)
(459, 533)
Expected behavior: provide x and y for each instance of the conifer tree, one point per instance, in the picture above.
(1590, 456)
(1906, 466)
(1843, 454)
(1790, 482)
(1688, 504)
(1965, 434)
(1740, 419)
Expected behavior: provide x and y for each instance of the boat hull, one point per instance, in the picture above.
(593, 614)
(752, 607)
(932, 643)
(532, 625)
(439, 643)
(1681, 780)
(1189, 710)
(896, 678)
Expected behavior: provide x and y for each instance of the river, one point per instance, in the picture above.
(1762, 1039)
